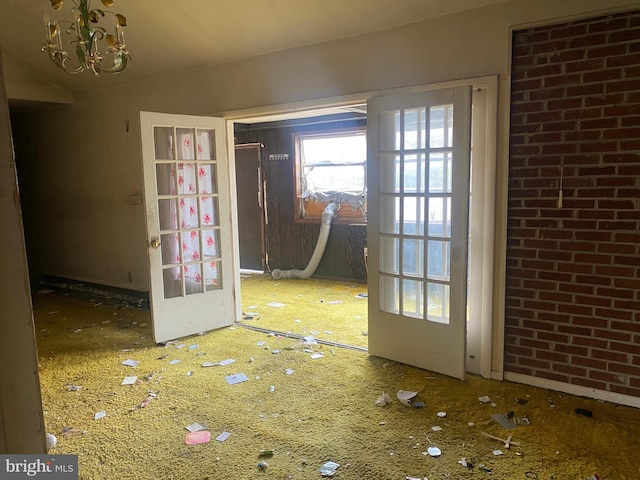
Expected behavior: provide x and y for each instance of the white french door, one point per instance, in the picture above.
(418, 198)
(187, 199)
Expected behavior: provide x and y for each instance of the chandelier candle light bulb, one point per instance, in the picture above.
(90, 42)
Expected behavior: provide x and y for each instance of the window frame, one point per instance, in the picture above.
(310, 210)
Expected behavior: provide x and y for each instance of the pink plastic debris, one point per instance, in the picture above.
(196, 438)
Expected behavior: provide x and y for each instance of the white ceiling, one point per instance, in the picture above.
(167, 37)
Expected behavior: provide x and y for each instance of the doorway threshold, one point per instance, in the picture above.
(301, 337)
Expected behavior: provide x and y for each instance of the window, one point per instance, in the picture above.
(331, 166)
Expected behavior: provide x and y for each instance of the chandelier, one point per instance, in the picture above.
(90, 46)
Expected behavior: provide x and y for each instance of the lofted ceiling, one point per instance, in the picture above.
(167, 37)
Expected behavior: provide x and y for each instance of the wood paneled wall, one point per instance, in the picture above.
(290, 244)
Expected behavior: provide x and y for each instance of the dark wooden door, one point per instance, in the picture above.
(250, 206)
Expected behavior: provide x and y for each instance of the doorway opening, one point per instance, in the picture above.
(258, 127)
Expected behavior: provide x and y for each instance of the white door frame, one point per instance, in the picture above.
(485, 338)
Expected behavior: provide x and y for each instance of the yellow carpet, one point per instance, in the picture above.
(324, 410)
(330, 311)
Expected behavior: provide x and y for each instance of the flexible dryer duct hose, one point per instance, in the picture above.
(325, 226)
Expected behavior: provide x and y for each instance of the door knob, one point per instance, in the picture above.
(155, 243)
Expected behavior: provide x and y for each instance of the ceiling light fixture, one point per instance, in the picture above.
(87, 38)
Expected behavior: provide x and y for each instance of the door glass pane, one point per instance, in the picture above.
(168, 214)
(187, 178)
(209, 211)
(389, 294)
(188, 212)
(414, 173)
(389, 254)
(441, 126)
(440, 172)
(438, 302)
(438, 260)
(211, 240)
(206, 145)
(440, 216)
(412, 298)
(413, 257)
(170, 248)
(389, 173)
(163, 143)
(207, 182)
(413, 216)
(165, 179)
(185, 144)
(389, 214)
(193, 278)
(172, 282)
(191, 246)
(414, 128)
(213, 275)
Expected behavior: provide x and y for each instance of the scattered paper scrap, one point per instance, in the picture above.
(434, 451)
(99, 415)
(502, 420)
(52, 441)
(289, 371)
(73, 388)
(173, 362)
(383, 399)
(442, 414)
(334, 302)
(317, 355)
(497, 452)
(129, 380)
(329, 469)
(228, 361)
(145, 402)
(405, 397)
(131, 363)
(197, 438)
(484, 399)
(276, 304)
(223, 436)
(193, 347)
(436, 428)
(236, 378)
(195, 427)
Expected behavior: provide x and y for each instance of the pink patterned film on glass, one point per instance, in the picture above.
(189, 219)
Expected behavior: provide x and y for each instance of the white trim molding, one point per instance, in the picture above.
(578, 390)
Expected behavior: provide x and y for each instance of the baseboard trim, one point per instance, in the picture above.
(124, 295)
(578, 390)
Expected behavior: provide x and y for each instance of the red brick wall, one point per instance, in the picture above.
(573, 269)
